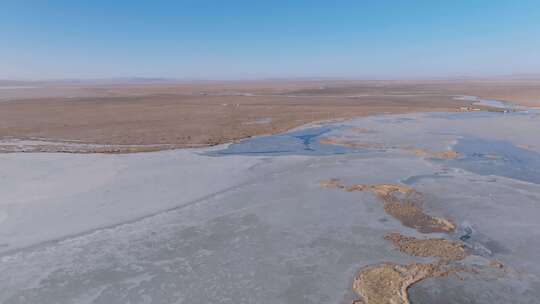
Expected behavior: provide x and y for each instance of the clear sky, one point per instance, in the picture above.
(231, 39)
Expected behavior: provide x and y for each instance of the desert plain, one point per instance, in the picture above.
(160, 114)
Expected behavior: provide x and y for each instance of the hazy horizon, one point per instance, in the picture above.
(142, 79)
(243, 40)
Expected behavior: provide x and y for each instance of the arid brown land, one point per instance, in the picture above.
(186, 114)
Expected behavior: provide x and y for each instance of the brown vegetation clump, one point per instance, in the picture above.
(402, 203)
(331, 183)
(446, 155)
(360, 145)
(387, 283)
(408, 210)
(440, 155)
(525, 147)
(496, 264)
(388, 189)
(439, 248)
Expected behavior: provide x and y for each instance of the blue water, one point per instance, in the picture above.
(301, 142)
(495, 157)
(480, 156)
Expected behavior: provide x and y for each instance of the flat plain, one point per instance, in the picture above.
(155, 115)
(284, 192)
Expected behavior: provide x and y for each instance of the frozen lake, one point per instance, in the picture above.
(250, 223)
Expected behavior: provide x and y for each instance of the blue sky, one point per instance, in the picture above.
(228, 39)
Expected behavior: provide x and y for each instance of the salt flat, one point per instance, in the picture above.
(250, 223)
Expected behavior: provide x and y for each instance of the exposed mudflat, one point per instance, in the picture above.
(251, 222)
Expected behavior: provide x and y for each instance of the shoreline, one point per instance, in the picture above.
(12, 144)
(123, 117)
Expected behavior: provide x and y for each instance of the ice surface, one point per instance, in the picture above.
(226, 225)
